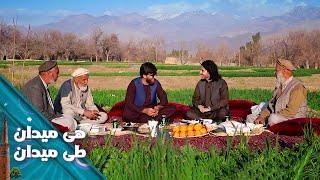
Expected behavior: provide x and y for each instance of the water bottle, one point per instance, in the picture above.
(163, 120)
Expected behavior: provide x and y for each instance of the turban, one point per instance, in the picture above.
(79, 72)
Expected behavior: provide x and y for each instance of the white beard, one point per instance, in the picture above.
(52, 82)
(83, 88)
(280, 79)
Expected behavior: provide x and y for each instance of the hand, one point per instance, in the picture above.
(259, 120)
(150, 112)
(91, 114)
(201, 108)
(206, 109)
(157, 108)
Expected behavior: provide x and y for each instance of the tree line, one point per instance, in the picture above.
(53, 45)
(302, 47)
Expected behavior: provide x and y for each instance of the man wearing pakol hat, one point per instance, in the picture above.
(36, 90)
(289, 97)
(75, 99)
(211, 95)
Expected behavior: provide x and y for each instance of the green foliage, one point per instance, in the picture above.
(15, 172)
(3, 66)
(108, 98)
(164, 161)
(256, 73)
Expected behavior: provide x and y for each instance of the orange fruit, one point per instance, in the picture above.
(203, 131)
(175, 129)
(190, 133)
(182, 134)
(197, 133)
(183, 128)
(197, 127)
(190, 127)
(176, 134)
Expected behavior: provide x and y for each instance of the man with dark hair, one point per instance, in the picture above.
(37, 92)
(211, 96)
(141, 98)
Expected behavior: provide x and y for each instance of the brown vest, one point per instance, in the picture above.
(280, 100)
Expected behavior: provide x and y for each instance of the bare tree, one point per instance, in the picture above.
(95, 38)
(5, 37)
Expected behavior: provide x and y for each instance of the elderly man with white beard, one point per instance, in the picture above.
(37, 92)
(289, 97)
(75, 99)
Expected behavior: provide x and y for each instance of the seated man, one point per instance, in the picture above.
(289, 97)
(36, 90)
(141, 98)
(75, 99)
(211, 96)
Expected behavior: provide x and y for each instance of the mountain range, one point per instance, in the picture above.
(191, 27)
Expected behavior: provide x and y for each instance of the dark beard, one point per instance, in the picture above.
(149, 81)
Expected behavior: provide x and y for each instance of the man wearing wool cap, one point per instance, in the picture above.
(289, 97)
(37, 92)
(75, 99)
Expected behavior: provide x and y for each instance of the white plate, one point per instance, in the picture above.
(113, 130)
(189, 121)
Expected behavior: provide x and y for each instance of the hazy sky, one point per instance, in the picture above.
(37, 12)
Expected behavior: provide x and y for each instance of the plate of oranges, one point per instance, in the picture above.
(191, 130)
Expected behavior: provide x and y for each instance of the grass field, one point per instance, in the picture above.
(164, 69)
(163, 161)
(108, 98)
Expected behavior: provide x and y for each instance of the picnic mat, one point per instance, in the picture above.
(144, 131)
(257, 140)
(124, 142)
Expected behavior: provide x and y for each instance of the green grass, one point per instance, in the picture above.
(108, 98)
(164, 161)
(196, 73)
(170, 70)
(3, 66)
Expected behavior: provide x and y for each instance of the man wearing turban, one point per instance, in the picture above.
(75, 99)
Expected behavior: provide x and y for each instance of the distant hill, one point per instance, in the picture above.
(191, 27)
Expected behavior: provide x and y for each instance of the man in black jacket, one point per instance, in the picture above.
(37, 92)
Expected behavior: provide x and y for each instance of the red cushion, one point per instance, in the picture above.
(239, 109)
(60, 127)
(295, 127)
(241, 104)
(117, 110)
(181, 111)
(239, 114)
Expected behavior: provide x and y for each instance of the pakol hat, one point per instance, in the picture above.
(47, 65)
(286, 64)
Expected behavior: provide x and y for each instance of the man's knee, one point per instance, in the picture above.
(191, 114)
(103, 117)
(275, 119)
